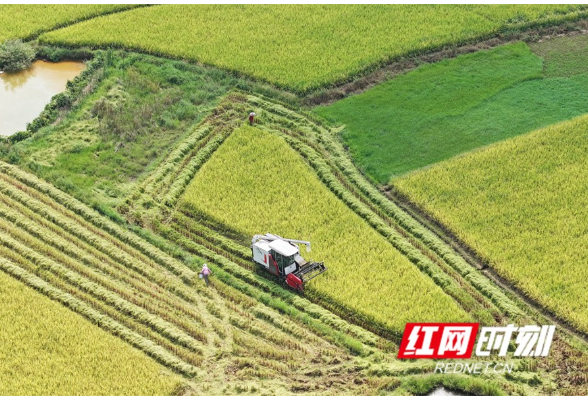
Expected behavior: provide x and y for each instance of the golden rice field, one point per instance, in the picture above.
(19, 21)
(522, 205)
(46, 349)
(303, 47)
(256, 183)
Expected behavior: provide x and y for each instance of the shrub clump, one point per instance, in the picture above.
(16, 56)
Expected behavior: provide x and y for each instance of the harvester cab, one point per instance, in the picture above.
(282, 258)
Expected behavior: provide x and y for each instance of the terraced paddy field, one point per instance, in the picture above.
(145, 168)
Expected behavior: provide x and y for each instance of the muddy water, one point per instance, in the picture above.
(23, 95)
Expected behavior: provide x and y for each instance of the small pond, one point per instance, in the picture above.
(23, 95)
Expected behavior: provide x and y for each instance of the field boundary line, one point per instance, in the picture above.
(61, 25)
(484, 266)
(362, 83)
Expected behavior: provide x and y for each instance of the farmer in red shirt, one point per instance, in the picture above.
(251, 118)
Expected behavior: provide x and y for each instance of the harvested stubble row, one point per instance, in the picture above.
(134, 290)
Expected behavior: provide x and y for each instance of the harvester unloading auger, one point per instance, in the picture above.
(282, 258)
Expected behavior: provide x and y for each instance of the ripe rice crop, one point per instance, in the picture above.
(302, 47)
(46, 349)
(256, 183)
(26, 21)
(521, 205)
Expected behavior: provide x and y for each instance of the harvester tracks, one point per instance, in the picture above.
(134, 290)
(307, 136)
(318, 147)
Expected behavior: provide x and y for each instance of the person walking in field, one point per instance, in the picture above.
(251, 118)
(205, 272)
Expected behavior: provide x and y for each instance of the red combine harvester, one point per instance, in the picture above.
(282, 258)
